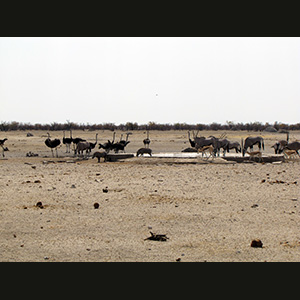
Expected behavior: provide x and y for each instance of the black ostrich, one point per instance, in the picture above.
(76, 141)
(67, 142)
(124, 142)
(119, 146)
(2, 146)
(106, 146)
(2, 141)
(147, 140)
(109, 145)
(52, 144)
(93, 145)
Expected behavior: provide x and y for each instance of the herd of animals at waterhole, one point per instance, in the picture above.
(209, 147)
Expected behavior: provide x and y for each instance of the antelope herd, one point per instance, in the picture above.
(209, 147)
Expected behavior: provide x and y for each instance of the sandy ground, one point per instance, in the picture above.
(209, 212)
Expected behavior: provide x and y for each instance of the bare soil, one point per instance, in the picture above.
(208, 212)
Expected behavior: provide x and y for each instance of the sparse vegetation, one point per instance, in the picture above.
(255, 126)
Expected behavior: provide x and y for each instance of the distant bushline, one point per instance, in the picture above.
(255, 126)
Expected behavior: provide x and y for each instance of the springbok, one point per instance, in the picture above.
(255, 154)
(290, 153)
(205, 149)
(293, 146)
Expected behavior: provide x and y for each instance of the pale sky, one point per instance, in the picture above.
(190, 80)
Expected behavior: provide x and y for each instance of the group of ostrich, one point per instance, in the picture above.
(210, 146)
(80, 145)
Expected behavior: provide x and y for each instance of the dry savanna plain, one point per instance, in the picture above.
(208, 211)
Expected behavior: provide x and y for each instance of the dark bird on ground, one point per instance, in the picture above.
(147, 140)
(2, 146)
(67, 142)
(109, 145)
(52, 144)
(119, 146)
(2, 141)
(93, 145)
(76, 141)
(123, 142)
(106, 146)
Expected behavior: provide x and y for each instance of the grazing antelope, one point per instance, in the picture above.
(255, 154)
(206, 149)
(251, 141)
(290, 153)
(67, 142)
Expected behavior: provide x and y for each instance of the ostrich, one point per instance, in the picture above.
(147, 140)
(67, 142)
(93, 145)
(106, 146)
(123, 142)
(2, 145)
(52, 144)
(120, 146)
(2, 141)
(76, 141)
(109, 145)
(4, 149)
